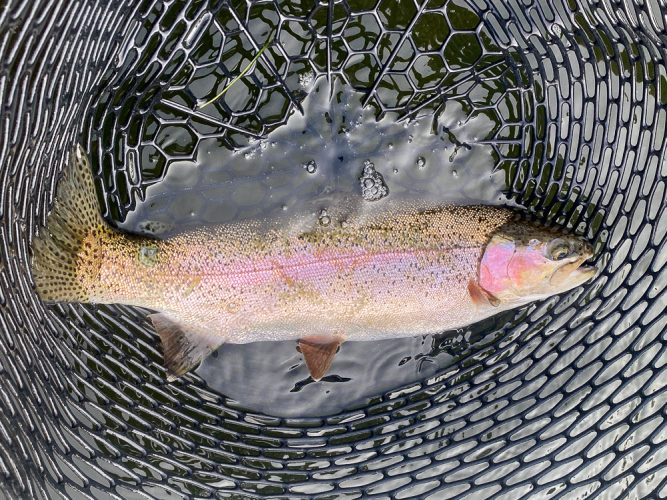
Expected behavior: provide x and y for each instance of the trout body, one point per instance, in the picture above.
(407, 275)
(403, 274)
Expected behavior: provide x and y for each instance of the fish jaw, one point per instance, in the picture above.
(581, 275)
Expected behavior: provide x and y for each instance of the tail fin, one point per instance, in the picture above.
(60, 247)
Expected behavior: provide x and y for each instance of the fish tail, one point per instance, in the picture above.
(65, 251)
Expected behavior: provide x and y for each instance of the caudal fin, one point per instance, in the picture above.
(61, 247)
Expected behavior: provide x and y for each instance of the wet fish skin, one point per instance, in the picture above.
(402, 274)
(406, 275)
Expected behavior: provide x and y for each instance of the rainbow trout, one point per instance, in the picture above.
(403, 274)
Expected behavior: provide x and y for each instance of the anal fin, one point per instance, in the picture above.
(183, 347)
(319, 352)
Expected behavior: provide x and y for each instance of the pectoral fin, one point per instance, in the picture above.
(319, 352)
(183, 347)
(480, 296)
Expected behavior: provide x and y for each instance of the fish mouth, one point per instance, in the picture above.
(573, 274)
(584, 273)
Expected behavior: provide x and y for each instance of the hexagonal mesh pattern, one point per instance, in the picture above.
(566, 401)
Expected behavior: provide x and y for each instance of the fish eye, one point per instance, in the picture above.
(558, 250)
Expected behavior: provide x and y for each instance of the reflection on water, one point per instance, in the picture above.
(271, 377)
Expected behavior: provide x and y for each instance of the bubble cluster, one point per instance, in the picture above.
(306, 79)
(324, 218)
(373, 187)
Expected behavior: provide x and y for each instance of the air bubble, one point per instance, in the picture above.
(373, 187)
(324, 218)
(310, 166)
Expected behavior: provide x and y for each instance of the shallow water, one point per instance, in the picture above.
(271, 377)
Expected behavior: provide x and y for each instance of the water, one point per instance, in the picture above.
(271, 377)
(337, 156)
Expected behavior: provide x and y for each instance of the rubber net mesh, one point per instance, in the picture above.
(565, 401)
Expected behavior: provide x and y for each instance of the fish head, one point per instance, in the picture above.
(523, 262)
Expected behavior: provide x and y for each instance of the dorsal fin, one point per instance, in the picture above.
(183, 347)
(319, 352)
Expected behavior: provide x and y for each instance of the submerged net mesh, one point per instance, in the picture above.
(567, 402)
